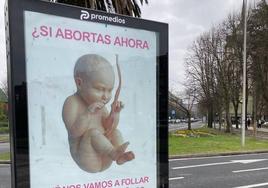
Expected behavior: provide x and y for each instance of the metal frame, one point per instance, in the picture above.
(18, 86)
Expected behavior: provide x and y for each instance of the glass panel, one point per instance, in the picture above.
(75, 139)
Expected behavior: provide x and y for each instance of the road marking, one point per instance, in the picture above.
(248, 161)
(253, 185)
(201, 165)
(4, 165)
(222, 163)
(250, 170)
(214, 157)
(176, 178)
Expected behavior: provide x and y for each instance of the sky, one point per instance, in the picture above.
(187, 20)
(3, 68)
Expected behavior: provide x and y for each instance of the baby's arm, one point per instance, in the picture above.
(75, 121)
(76, 117)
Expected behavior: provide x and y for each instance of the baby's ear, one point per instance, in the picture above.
(78, 82)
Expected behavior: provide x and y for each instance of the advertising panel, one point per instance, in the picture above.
(91, 103)
(89, 89)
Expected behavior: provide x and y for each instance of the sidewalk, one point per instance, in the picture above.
(260, 132)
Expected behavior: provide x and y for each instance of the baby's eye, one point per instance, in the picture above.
(100, 88)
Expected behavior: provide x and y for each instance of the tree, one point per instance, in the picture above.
(258, 51)
(185, 103)
(234, 48)
(4, 88)
(199, 69)
(3, 101)
(212, 68)
(125, 7)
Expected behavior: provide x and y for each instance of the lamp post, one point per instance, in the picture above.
(244, 74)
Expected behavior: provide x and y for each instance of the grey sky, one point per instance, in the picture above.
(187, 19)
(2, 43)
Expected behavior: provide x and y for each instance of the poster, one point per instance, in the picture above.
(53, 45)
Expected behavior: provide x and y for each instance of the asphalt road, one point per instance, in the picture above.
(4, 147)
(184, 126)
(5, 178)
(243, 171)
(237, 171)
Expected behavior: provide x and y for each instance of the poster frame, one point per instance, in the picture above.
(16, 61)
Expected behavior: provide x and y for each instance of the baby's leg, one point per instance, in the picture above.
(117, 140)
(89, 159)
(103, 146)
(96, 152)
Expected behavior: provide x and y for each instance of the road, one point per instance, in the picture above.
(183, 126)
(5, 179)
(243, 171)
(4, 147)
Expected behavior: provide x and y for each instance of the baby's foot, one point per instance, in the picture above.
(125, 157)
(117, 152)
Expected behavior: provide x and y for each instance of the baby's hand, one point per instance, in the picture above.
(117, 106)
(93, 108)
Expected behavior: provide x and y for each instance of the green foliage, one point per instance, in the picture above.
(4, 130)
(3, 123)
(3, 97)
(258, 51)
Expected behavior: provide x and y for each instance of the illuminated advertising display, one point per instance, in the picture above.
(90, 101)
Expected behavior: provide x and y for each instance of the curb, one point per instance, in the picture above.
(216, 154)
(5, 162)
(192, 156)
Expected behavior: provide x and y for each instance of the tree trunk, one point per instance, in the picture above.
(227, 119)
(220, 122)
(210, 117)
(189, 121)
(246, 109)
(254, 119)
(236, 116)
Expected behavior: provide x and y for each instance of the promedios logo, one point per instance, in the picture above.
(85, 15)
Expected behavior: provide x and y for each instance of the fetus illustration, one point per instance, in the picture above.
(94, 138)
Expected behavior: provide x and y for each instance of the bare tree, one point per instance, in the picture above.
(234, 54)
(258, 51)
(199, 69)
(4, 87)
(185, 102)
(210, 66)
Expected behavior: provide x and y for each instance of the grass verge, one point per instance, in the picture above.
(211, 141)
(4, 130)
(4, 138)
(4, 156)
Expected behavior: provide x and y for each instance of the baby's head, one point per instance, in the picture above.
(94, 78)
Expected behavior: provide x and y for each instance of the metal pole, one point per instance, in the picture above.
(244, 73)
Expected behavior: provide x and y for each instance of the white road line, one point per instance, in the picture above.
(253, 185)
(250, 170)
(215, 157)
(176, 178)
(4, 165)
(202, 165)
(222, 163)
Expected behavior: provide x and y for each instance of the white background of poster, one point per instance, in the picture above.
(49, 66)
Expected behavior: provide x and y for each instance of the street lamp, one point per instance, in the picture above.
(244, 73)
